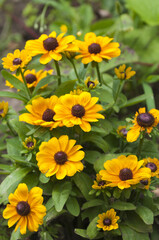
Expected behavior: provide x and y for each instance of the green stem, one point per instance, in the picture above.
(25, 83)
(75, 70)
(140, 145)
(58, 72)
(98, 74)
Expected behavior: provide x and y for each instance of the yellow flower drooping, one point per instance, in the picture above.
(108, 221)
(16, 60)
(78, 110)
(29, 143)
(60, 156)
(124, 73)
(96, 48)
(3, 108)
(25, 208)
(99, 183)
(50, 46)
(41, 112)
(153, 164)
(91, 83)
(122, 132)
(143, 121)
(124, 171)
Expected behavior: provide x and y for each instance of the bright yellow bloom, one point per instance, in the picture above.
(3, 108)
(124, 73)
(143, 121)
(41, 112)
(108, 221)
(29, 143)
(25, 208)
(63, 28)
(32, 77)
(91, 83)
(50, 46)
(153, 164)
(99, 183)
(78, 110)
(124, 171)
(16, 60)
(60, 156)
(97, 48)
(76, 91)
(121, 131)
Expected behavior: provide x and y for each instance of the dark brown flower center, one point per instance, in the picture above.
(94, 48)
(152, 166)
(78, 111)
(48, 115)
(125, 174)
(30, 78)
(17, 61)
(30, 144)
(145, 119)
(101, 183)
(60, 157)
(107, 221)
(124, 132)
(23, 208)
(50, 44)
(1, 111)
(144, 182)
(90, 83)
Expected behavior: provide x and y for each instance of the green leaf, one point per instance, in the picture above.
(134, 101)
(20, 127)
(13, 80)
(60, 194)
(43, 178)
(46, 236)
(92, 229)
(152, 78)
(15, 235)
(73, 206)
(150, 101)
(104, 95)
(130, 234)
(81, 232)
(123, 206)
(31, 180)
(12, 95)
(52, 214)
(146, 214)
(14, 146)
(91, 156)
(92, 203)
(65, 87)
(43, 82)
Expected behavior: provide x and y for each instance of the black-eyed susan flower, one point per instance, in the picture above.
(96, 48)
(17, 59)
(153, 164)
(29, 143)
(25, 208)
(99, 183)
(32, 77)
(124, 73)
(78, 110)
(123, 171)
(108, 221)
(122, 131)
(41, 112)
(145, 183)
(91, 83)
(3, 108)
(76, 91)
(60, 156)
(143, 121)
(50, 46)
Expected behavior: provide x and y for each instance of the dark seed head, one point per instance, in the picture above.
(1, 111)
(48, 115)
(78, 111)
(90, 83)
(144, 182)
(23, 208)
(17, 61)
(107, 221)
(94, 48)
(30, 78)
(30, 144)
(50, 44)
(145, 119)
(60, 157)
(101, 183)
(125, 174)
(152, 166)
(124, 132)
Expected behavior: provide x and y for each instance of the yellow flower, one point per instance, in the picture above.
(76, 92)
(60, 156)
(25, 208)
(16, 60)
(108, 221)
(124, 171)
(97, 48)
(63, 28)
(50, 46)
(99, 183)
(153, 164)
(145, 183)
(123, 73)
(41, 112)
(32, 77)
(121, 131)
(91, 83)
(3, 108)
(29, 143)
(78, 110)
(143, 121)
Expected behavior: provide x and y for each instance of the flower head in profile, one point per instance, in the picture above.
(60, 156)
(143, 121)
(145, 183)
(25, 208)
(41, 112)
(91, 83)
(29, 143)
(122, 131)
(124, 73)
(78, 110)
(123, 171)
(108, 221)
(17, 59)
(99, 183)
(96, 48)
(3, 108)
(76, 91)
(153, 164)
(50, 46)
